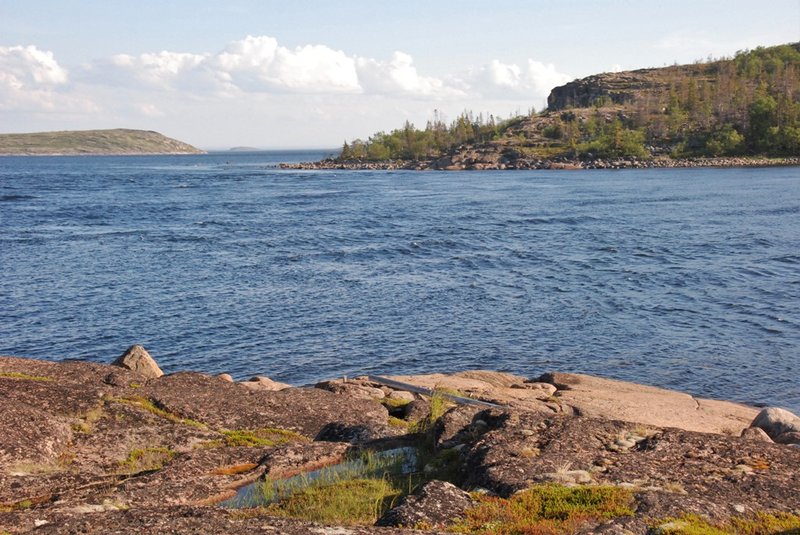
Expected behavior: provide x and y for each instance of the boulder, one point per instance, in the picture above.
(437, 504)
(776, 421)
(137, 359)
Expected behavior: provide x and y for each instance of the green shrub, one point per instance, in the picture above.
(553, 509)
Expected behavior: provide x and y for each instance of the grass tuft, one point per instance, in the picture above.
(151, 407)
(394, 403)
(24, 376)
(758, 524)
(264, 437)
(85, 423)
(545, 509)
(144, 460)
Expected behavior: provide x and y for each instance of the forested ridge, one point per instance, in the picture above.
(741, 106)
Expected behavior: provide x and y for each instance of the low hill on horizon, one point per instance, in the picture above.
(119, 141)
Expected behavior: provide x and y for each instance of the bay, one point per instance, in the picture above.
(684, 278)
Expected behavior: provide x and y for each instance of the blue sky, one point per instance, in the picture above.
(310, 74)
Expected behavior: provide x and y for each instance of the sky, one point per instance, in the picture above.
(311, 74)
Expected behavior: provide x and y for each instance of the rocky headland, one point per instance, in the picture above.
(730, 112)
(123, 448)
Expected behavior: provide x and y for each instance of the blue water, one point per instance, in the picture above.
(686, 279)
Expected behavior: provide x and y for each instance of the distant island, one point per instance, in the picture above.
(729, 112)
(243, 149)
(118, 141)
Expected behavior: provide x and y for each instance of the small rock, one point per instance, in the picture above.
(401, 395)
(226, 377)
(542, 390)
(137, 359)
(776, 421)
(625, 443)
(755, 433)
(676, 526)
(739, 508)
(568, 476)
(264, 383)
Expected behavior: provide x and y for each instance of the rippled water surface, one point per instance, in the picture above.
(687, 279)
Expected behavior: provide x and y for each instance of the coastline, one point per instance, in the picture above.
(122, 447)
(498, 164)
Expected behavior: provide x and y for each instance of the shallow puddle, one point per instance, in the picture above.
(394, 462)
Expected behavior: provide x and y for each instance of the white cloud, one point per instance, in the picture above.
(158, 69)
(533, 80)
(260, 64)
(32, 80)
(30, 66)
(400, 76)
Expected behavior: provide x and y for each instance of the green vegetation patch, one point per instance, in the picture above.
(347, 502)
(546, 509)
(85, 423)
(440, 404)
(264, 437)
(143, 460)
(149, 406)
(758, 524)
(24, 376)
(394, 403)
(17, 506)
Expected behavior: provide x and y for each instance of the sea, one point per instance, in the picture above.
(681, 278)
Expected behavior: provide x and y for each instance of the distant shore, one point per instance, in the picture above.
(446, 164)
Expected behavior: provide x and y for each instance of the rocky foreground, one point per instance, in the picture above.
(94, 448)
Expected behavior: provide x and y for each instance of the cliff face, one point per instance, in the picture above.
(88, 142)
(625, 87)
(617, 88)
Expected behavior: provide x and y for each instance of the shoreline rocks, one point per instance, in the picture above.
(496, 161)
(96, 448)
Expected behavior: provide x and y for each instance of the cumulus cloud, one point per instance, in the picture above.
(28, 65)
(32, 80)
(508, 80)
(400, 76)
(260, 64)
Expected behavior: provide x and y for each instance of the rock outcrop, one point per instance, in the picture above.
(92, 448)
